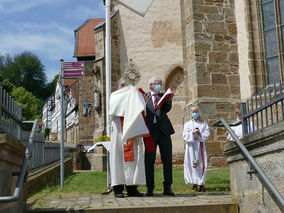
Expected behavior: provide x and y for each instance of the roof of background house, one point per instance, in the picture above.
(74, 85)
(85, 38)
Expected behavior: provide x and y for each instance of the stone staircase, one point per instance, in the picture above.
(181, 203)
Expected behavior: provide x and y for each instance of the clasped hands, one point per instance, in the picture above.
(196, 132)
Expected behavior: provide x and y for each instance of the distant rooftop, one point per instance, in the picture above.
(85, 38)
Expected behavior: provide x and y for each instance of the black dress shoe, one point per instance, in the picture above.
(169, 193)
(119, 195)
(149, 193)
(136, 194)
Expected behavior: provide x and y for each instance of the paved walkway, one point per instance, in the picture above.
(76, 201)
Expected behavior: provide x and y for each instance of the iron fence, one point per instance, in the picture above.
(10, 115)
(45, 154)
(264, 109)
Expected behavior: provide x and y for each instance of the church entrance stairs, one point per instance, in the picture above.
(90, 203)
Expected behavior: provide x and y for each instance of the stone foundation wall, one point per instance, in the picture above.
(11, 158)
(177, 160)
(267, 147)
(49, 175)
(95, 161)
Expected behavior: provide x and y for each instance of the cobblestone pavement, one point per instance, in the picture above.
(76, 201)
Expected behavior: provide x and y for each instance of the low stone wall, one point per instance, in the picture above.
(48, 175)
(95, 161)
(177, 160)
(11, 158)
(267, 147)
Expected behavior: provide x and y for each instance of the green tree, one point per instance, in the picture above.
(51, 85)
(32, 72)
(9, 70)
(31, 106)
(7, 85)
(25, 70)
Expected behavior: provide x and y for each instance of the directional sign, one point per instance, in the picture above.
(137, 6)
(73, 69)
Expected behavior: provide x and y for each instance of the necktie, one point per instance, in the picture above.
(155, 99)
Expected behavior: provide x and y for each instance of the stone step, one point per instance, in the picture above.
(181, 203)
(218, 208)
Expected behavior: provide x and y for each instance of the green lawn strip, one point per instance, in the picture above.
(218, 181)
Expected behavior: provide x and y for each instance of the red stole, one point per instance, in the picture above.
(202, 156)
(128, 148)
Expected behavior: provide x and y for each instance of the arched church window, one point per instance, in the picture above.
(273, 32)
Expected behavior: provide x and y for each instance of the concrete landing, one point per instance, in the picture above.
(90, 203)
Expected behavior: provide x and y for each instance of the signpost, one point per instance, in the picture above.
(73, 69)
(68, 70)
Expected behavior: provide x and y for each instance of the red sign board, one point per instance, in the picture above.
(73, 69)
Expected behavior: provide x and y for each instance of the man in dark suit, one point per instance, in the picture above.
(160, 129)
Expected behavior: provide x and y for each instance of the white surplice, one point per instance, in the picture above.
(239, 130)
(127, 102)
(193, 152)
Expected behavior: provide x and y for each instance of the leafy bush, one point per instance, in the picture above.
(102, 138)
(46, 132)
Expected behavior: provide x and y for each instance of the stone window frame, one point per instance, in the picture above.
(257, 59)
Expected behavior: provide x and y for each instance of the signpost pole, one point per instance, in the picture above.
(62, 125)
(108, 63)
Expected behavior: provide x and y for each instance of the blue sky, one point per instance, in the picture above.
(45, 28)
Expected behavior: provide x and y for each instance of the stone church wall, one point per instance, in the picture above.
(154, 44)
(210, 54)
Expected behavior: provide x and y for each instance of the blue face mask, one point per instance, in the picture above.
(195, 115)
(158, 88)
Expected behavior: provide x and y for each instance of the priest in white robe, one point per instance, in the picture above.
(127, 129)
(195, 133)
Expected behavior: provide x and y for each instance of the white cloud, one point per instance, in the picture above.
(50, 42)
(84, 12)
(51, 39)
(52, 72)
(11, 6)
(53, 46)
(36, 27)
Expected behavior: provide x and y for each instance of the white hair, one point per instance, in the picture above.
(154, 79)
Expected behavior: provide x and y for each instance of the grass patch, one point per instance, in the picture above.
(218, 180)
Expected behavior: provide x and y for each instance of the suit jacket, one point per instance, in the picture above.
(162, 119)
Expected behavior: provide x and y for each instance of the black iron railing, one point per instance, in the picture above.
(263, 109)
(10, 115)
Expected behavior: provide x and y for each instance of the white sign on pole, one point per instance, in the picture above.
(138, 6)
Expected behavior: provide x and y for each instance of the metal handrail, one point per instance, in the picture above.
(24, 166)
(265, 181)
